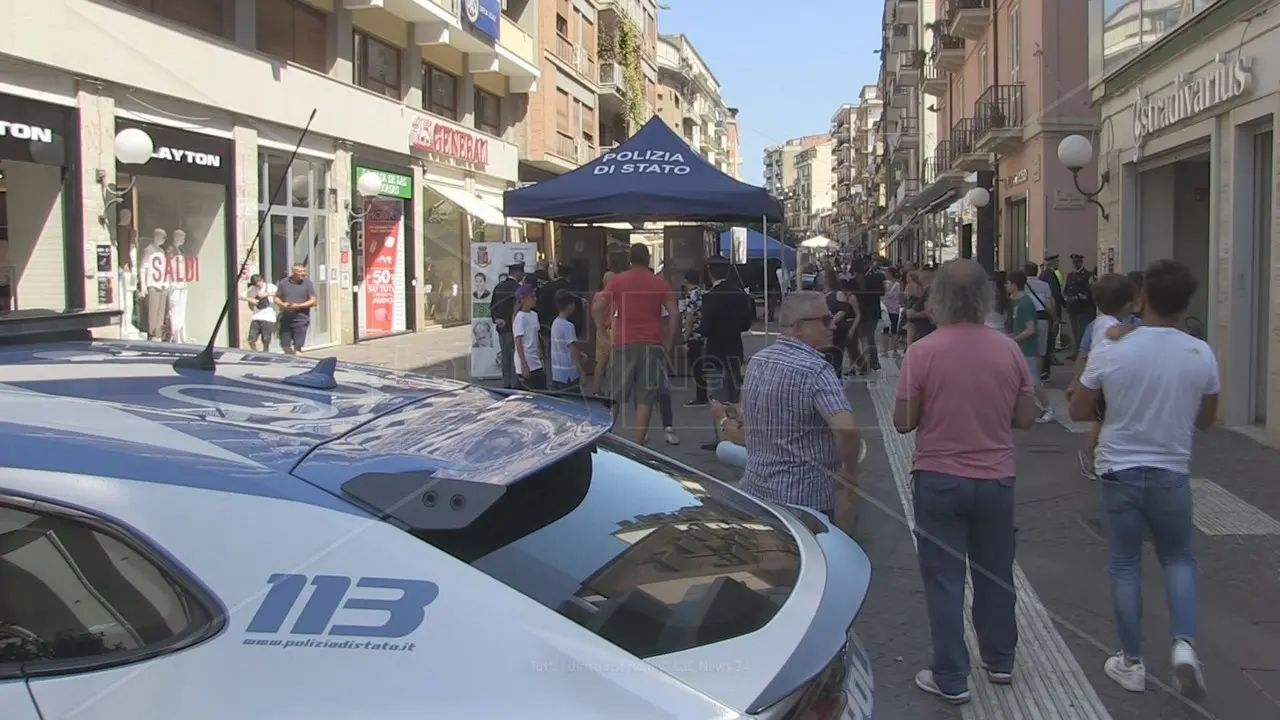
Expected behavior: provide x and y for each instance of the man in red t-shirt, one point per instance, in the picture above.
(642, 337)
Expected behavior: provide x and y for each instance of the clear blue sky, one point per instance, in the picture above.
(785, 64)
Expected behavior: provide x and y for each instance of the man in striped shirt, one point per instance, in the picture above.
(800, 431)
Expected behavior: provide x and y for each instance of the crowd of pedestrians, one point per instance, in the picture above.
(975, 351)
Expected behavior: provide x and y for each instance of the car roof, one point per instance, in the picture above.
(122, 409)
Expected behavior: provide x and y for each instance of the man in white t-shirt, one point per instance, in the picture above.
(1160, 385)
(525, 329)
(261, 298)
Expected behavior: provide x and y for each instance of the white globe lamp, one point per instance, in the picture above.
(133, 147)
(368, 185)
(1074, 152)
(978, 197)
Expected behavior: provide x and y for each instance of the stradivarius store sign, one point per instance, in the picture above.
(652, 162)
(1219, 83)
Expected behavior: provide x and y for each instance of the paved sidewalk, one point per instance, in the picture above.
(447, 350)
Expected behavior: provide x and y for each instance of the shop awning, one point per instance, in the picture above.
(473, 205)
(930, 208)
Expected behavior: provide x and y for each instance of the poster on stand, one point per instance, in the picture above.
(489, 262)
(382, 305)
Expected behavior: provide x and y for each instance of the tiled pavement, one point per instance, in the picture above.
(1062, 553)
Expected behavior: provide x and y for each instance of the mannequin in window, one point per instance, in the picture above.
(153, 284)
(178, 277)
(127, 280)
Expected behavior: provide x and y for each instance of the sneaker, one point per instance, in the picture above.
(670, 434)
(1046, 416)
(1000, 678)
(1130, 676)
(924, 681)
(1188, 678)
(1086, 464)
(696, 403)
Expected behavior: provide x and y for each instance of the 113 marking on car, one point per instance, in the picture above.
(405, 613)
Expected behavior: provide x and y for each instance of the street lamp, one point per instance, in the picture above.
(978, 197)
(133, 146)
(368, 185)
(1074, 152)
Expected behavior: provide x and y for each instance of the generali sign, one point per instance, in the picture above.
(431, 136)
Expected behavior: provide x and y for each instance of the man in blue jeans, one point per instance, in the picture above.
(1160, 385)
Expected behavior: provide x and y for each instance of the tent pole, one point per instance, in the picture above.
(764, 239)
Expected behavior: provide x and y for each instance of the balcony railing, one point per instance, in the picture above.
(566, 147)
(946, 42)
(611, 78)
(942, 155)
(962, 138)
(998, 108)
(908, 126)
(565, 50)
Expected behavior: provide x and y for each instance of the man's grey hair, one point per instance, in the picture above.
(960, 292)
(799, 306)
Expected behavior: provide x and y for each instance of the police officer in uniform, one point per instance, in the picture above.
(502, 308)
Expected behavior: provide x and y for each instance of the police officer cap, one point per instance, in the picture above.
(717, 260)
(1054, 256)
(515, 267)
(1077, 256)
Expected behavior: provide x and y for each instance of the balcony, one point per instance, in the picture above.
(613, 86)
(907, 191)
(948, 53)
(516, 40)
(910, 64)
(566, 148)
(902, 96)
(574, 58)
(907, 135)
(998, 119)
(900, 38)
(932, 81)
(908, 10)
(968, 19)
(964, 153)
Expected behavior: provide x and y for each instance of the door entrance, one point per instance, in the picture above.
(1264, 186)
(300, 239)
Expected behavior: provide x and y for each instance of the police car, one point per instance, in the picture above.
(285, 538)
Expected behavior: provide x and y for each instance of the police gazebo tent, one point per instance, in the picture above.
(760, 246)
(654, 176)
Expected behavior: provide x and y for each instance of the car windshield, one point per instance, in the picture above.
(650, 558)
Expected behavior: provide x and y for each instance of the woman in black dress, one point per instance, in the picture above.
(844, 316)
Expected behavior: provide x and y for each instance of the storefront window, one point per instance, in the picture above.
(173, 238)
(444, 259)
(297, 230)
(33, 209)
(177, 240)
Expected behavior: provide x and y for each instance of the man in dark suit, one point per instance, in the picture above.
(502, 308)
(727, 312)
(547, 310)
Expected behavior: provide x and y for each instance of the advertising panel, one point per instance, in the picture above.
(491, 261)
(382, 305)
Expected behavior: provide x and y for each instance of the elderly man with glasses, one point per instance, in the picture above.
(801, 435)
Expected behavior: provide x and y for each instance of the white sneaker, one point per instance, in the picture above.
(1130, 677)
(924, 681)
(672, 438)
(1187, 675)
(1046, 416)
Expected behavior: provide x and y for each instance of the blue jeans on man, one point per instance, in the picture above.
(959, 519)
(1140, 497)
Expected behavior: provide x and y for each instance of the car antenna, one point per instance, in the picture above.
(204, 360)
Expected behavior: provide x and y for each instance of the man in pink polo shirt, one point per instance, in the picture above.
(963, 389)
(642, 336)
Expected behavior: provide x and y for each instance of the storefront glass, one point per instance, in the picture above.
(33, 213)
(297, 230)
(383, 255)
(444, 259)
(173, 238)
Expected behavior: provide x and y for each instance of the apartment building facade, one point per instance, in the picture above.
(599, 73)
(690, 102)
(147, 141)
(1188, 94)
(783, 164)
(1007, 82)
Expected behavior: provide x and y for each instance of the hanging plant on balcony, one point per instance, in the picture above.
(629, 59)
(607, 51)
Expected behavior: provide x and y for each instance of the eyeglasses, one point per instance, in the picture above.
(826, 319)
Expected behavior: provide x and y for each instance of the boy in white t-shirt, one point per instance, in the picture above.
(524, 328)
(1161, 384)
(261, 298)
(566, 353)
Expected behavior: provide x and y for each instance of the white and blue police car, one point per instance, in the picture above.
(259, 536)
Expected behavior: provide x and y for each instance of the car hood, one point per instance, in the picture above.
(127, 400)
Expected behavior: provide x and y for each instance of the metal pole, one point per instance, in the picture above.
(764, 238)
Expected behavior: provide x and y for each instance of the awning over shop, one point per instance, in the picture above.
(473, 205)
(930, 208)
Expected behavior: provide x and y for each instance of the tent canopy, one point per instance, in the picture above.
(652, 176)
(756, 247)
